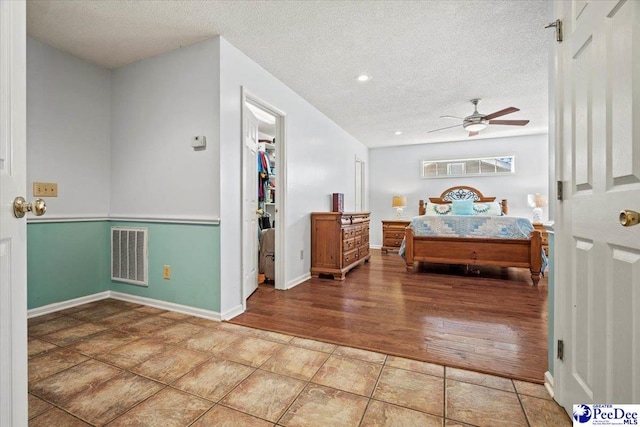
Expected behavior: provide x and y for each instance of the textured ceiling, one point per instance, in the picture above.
(426, 58)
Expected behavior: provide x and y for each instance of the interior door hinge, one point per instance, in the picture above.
(559, 190)
(560, 349)
(557, 24)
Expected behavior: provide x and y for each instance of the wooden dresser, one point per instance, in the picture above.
(393, 233)
(339, 242)
(545, 237)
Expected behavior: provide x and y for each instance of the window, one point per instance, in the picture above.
(487, 166)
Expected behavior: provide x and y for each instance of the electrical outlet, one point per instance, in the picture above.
(45, 189)
(167, 272)
(301, 253)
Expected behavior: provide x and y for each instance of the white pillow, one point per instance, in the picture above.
(487, 209)
(437, 209)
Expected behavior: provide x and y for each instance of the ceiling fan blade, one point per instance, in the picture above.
(509, 122)
(448, 127)
(501, 113)
(451, 117)
(474, 133)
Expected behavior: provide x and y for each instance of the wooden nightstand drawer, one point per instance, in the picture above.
(394, 234)
(393, 242)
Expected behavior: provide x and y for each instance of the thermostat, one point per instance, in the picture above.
(199, 142)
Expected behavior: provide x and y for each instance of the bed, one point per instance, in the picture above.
(516, 250)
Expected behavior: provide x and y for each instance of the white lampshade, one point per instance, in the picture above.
(537, 200)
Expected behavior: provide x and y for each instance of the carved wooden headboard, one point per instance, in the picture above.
(461, 192)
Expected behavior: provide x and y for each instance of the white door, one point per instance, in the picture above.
(249, 204)
(359, 185)
(597, 277)
(13, 242)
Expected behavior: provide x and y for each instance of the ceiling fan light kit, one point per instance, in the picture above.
(477, 121)
(475, 126)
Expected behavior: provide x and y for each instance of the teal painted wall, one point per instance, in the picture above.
(552, 345)
(192, 251)
(66, 260)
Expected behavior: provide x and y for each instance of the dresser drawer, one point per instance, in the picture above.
(348, 233)
(349, 245)
(363, 251)
(350, 257)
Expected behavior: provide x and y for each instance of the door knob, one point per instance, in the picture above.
(21, 207)
(629, 218)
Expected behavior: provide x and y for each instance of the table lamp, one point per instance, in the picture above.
(537, 202)
(399, 202)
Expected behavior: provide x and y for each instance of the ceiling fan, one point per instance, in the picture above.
(477, 121)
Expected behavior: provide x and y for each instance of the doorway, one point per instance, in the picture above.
(263, 195)
(360, 192)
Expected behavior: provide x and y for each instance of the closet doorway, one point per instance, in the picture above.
(263, 187)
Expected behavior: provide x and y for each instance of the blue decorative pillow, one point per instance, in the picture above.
(462, 207)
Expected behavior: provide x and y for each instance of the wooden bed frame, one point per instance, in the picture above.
(473, 251)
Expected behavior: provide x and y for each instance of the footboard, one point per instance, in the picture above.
(496, 252)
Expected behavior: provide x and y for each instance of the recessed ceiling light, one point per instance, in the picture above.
(363, 78)
(398, 132)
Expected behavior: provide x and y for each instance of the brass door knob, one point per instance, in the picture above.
(629, 218)
(20, 207)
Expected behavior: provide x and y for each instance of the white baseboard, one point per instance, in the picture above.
(295, 282)
(57, 306)
(230, 314)
(548, 382)
(375, 246)
(193, 311)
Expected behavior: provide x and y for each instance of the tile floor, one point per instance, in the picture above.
(117, 363)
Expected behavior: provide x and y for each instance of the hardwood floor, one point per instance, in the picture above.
(494, 322)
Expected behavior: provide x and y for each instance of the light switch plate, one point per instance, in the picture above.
(45, 189)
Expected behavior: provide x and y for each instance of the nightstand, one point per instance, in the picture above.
(393, 233)
(545, 237)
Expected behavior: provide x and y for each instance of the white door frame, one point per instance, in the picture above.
(360, 191)
(13, 241)
(281, 186)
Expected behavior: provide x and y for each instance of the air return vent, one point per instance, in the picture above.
(129, 255)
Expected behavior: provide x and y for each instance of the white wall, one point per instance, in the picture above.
(396, 171)
(68, 120)
(320, 161)
(158, 105)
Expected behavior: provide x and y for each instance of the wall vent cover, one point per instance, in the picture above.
(129, 255)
